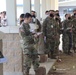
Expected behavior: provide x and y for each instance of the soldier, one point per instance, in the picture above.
(51, 12)
(50, 33)
(67, 34)
(74, 32)
(21, 18)
(59, 28)
(74, 12)
(58, 20)
(29, 51)
(46, 13)
(35, 20)
(57, 12)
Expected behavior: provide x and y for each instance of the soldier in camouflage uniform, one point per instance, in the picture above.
(74, 32)
(21, 18)
(59, 27)
(74, 12)
(67, 34)
(35, 20)
(50, 28)
(29, 51)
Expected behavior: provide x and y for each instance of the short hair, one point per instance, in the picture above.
(22, 15)
(33, 11)
(4, 12)
(27, 15)
(57, 10)
(51, 10)
(57, 14)
(46, 11)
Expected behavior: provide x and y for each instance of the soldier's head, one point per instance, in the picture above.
(33, 13)
(51, 13)
(57, 15)
(3, 14)
(46, 12)
(68, 16)
(27, 18)
(74, 11)
(75, 15)
(21, 18)
(57, 12)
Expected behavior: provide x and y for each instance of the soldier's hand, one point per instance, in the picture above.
(35, 35)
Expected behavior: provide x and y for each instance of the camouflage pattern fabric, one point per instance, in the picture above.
(74, 32)
(29, 51)
(67, 35)
(50, 31)
(36, 21)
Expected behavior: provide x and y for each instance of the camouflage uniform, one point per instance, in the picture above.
(36, 21)
(50, 31)
(73, 17)
(74, 33)
(59, 27)
(29, 51)
(67, 35)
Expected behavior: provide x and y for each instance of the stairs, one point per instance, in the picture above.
(48, 65)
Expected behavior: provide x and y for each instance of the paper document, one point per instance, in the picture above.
(39, 33)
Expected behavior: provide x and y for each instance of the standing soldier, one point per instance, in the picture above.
(59, 27)
(21, 18)
(74, 13)
(29, 52)
(37, 25)
(50, 33)
(74, 32)
(35, 20)
(67, 34)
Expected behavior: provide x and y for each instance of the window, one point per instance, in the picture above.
(32, 5)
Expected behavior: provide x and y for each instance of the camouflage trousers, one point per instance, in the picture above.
(29, 60)
(52, 46)
(67, 42)
(74, 40)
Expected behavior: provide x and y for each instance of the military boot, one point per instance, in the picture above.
(52, 55)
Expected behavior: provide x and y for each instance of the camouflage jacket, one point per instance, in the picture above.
(50, 27)
(67, 26)
(27, 37)
(74, 25)
(36, 21)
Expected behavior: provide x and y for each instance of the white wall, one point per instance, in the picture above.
(2, 5)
